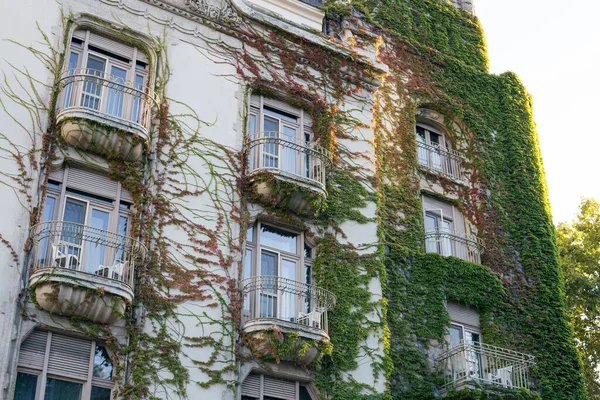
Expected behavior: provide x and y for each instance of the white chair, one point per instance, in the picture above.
(312, 319)
(61, 258)
(502, 376)
(114, 271)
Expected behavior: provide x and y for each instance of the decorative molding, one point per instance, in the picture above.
(226, 13)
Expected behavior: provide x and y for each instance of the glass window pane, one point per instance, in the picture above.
(95, 246)
(280, 114)
(103, 367)
(250, 234)
(268, 264)
(304, 394)
(456, 335)
(26, 386)
(307, 251)
(288, 291)
(74, 211)
(278, 239)
(248, 264)
(44, 248)
(99, 393)
(62, 390)
(271, 128)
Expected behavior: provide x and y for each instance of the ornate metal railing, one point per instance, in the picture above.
(58, 244)
(450, 243)
(445, 161)
(108, 96)
(277, 298)
(300, 161)
(485, 364)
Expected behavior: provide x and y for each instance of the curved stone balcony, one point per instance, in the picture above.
(103, 113)
(482, 365)
(298, 163)
(450, 243)
(83, 271)
(273, 303)
(443, 161)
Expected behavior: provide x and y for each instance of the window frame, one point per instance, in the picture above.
(83, 52)
(261, 107)
(256, 247)
(86, 385)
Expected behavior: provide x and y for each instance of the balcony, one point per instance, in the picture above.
(83, 271)
(449, 243)
(300, 164)
(477, 364)
(289, 307)
(104, 114)
(443, 161)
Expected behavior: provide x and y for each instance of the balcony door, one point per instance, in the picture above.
(433, 151)
(77, 214)
(110, 77)
(441, 225)
(287, 138)
(275, 257)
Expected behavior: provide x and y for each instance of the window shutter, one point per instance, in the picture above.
(463, 315)
(255, 101)
(281, 105)
(57, 175)
(69, 357)
(429, 203)
(91, 182)
(79, 34)
(251, 386)
(112, 46)
(33, 350)
(280, 388)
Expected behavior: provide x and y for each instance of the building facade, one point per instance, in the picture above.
(260, 199)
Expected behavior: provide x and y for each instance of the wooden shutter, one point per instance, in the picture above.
(69, 357)
(91, 182)
(463, 315)
(280, 388)
(251, 386)
(33, 350)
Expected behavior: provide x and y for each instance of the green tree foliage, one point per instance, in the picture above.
(579, 244)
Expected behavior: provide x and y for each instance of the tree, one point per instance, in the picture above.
(579, 245)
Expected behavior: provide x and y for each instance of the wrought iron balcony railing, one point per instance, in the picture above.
(300, 161)
(58, 244)
(449, 243)
(485, 365)
(110, 97)
(445, 161)
(277, 298)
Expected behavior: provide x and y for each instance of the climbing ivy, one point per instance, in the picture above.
(436, 60)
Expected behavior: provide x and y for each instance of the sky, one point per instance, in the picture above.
(554, 46)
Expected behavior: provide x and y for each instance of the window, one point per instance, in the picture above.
(282, 141)
(52, 366)
(108, 77)
(284, 261)
(264, 387)
(435, 153)
(443, 223)
(464, 331)
(82, 213)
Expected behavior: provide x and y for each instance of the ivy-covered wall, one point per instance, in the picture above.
(195, 201)
(437, 60)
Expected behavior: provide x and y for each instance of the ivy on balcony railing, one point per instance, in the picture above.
(450, 243)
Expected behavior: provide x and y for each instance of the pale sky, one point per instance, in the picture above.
(554, 46)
